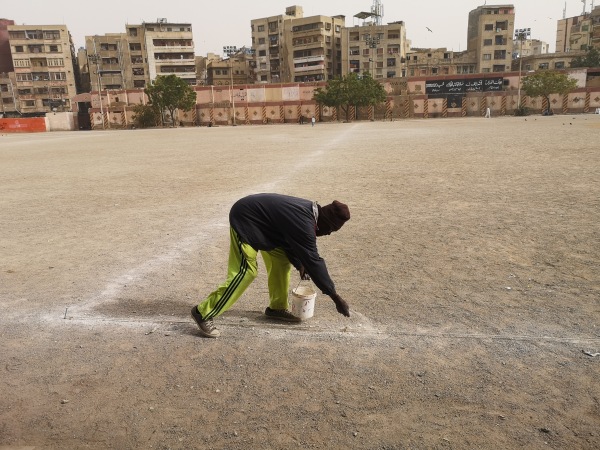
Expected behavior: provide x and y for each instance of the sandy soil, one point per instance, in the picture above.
(471, 264)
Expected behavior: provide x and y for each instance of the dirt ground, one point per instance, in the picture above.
(471, 264)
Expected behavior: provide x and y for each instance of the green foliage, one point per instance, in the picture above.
(146, 116)
(171, 93)
(351, 90)
(590, 59)
(546, 82)
(522, 111)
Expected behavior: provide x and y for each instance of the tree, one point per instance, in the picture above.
(590, 59)
(546, 82)
(351, 90)
(145, 116)
(170, 93)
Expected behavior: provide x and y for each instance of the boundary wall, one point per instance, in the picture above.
(288, 103)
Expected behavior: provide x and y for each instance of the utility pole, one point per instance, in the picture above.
(521, 34)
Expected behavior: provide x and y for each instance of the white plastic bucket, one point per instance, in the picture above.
(303, 302)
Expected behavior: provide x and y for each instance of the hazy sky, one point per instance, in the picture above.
(227, 22)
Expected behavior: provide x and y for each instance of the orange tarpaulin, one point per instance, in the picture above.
(28, 125)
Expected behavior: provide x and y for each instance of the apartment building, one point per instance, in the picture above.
(440, 61)
(269, 46)
(8, 96)
(45, 76)
(379, 50)
(294, 48)
(530, 47)
(490, 36)
(107, 56)
(574, 34)
(552, 61)
(237, 69)
(6, 64)
(135, 58)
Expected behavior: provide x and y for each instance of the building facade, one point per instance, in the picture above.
(293, 48)
(379, 50)
(270, 47)
(490, 37)
(6, 64)
(440, 61)
(135, 58)
(45, 73)
(579, 33)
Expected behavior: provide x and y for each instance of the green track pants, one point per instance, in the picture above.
(241, 271)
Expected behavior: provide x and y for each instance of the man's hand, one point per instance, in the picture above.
(304, 274)
(341, 305)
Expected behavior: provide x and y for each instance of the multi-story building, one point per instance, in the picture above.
(269, 46)
(107, 56)
(315, 53)
(8, 97)
(490, 36)
(595, 16)
(379, 50)
(439, 61)
(6, 64)
(530, 47)
(135, 58)
(167, 47)
(43, 59)
(553, 61)
(574, 33)
(294, 48)
(234, 70)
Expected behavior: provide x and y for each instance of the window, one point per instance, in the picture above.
(261, 28)
(3, 87)
(28, 103)
(24, 77)
(543, 65)
(18, 49)
(487, 56)
(391, 62)
(56, 62)
(139, 83)
(487, 42)
(138, 71)
(52, 34)
(261, 40)
(489, 27)
(559, 65)
(338, 29)
(133, 32)
(16, 34)
(58, 76)
(53, 48)
(21, 63)
(263, 78)
(24, 91)
(262, 53)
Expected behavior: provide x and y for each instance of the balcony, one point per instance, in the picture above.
(309, 59)
(317, 68)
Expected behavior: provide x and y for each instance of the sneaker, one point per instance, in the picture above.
(281, 314)
(207, 328)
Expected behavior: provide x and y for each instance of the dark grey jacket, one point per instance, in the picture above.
(269, 221)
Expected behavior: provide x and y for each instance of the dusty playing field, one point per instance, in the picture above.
(471, 264)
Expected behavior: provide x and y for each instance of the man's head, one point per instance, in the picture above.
(332, 217)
